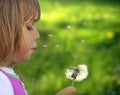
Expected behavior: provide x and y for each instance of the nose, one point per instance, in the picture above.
(36, 35)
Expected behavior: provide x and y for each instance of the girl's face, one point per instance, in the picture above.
(28, 43)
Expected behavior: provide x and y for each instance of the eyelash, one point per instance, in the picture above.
(30, 28)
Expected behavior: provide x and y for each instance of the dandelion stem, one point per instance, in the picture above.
(72, 82)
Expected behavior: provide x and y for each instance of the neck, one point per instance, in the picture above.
(4, 64)
(7, 64)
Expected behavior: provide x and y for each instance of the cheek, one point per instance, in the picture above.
(26, 40)
(26, 43)
(24, 53)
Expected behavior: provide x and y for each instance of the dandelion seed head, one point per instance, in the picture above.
(78, 73)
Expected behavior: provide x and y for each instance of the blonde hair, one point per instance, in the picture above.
(13, 14)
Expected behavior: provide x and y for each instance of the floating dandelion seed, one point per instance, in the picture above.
(84, 23)
(68, 26)
(50, 35)
(78, 73)
(82, 41)
(89, 51)
(45, 46)
(75, 56)
(57, 45)
(106, 16)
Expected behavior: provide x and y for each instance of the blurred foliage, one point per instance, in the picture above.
(76, 32)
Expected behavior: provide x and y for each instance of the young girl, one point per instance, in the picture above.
(18, 37)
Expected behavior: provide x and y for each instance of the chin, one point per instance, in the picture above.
(26, 59)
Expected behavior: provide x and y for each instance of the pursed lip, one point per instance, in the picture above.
(34, 48)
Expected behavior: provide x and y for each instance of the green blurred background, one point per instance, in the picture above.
(76, 32)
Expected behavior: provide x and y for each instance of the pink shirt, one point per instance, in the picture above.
(16, 84)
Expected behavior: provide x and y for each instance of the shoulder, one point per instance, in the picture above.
(5, 85)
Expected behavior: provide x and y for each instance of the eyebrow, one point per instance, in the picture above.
(35, 20)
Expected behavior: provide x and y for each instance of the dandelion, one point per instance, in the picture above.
(78, 73)
(110, 35)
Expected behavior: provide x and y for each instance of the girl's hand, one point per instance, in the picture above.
(68, 91)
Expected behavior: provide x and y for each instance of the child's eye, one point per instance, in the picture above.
(30, 28)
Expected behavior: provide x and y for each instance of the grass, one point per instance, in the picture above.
(75, 32)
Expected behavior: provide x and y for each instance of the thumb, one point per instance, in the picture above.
(71, 90)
